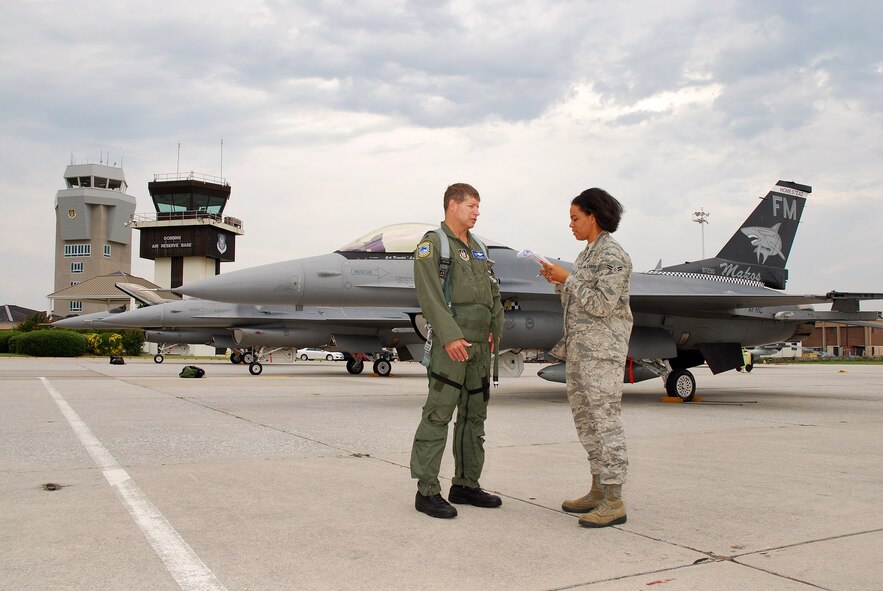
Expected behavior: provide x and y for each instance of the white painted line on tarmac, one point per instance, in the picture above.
(183, 564)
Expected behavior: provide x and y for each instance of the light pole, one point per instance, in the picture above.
(701, 217)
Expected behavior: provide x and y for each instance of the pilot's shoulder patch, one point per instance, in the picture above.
(424, 249)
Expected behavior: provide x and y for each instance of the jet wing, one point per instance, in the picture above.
(749, 304)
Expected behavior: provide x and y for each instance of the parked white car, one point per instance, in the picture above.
(312, 354)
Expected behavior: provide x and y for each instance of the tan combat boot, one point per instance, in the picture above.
(588, 501)
(610, 512)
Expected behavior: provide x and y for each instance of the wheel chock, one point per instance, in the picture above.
(675, 399)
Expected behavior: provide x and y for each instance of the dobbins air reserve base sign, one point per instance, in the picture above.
(188, 241)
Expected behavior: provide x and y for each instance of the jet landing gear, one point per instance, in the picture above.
(238, 356)
(163, 349)
(355, 366)
(382, 367)
(681, 384)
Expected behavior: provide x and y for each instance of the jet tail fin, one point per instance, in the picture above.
(759, 249)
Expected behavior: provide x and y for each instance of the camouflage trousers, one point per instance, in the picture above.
(594, 388)
(453, 386)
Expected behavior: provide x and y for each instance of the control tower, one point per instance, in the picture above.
(92, 234)
(188, 236)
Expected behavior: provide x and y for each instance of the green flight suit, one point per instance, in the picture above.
(474, 314)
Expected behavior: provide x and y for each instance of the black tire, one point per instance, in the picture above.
(382, 367)
(304, 357)
(255, 368)
(158, 358)
(682, 384)
(329, 357)
(248, 358)
(235, 358)
(749, 367)
(739, 368)
(355, 366)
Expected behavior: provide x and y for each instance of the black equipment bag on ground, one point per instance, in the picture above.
(191, 371)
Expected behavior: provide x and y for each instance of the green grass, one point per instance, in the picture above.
(828, 361)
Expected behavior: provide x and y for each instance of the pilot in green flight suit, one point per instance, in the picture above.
(460, 358)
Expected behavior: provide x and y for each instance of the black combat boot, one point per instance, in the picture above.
(434, 506)
(473, 496)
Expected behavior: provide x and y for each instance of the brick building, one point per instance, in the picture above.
(842, 340)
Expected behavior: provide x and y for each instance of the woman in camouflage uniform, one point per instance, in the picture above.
(597, 326)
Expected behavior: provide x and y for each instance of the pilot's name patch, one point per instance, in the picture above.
(463, 254)
(424, 249)
(477, 254)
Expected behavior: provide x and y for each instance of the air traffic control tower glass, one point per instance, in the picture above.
(189, 192)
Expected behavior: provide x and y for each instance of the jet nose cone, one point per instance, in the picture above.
(84, 321)
(276, 283)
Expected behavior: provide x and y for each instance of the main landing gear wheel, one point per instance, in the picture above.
(235, 358)
(382, 367)
(255, 368)
(682, 384)
(248, 358)
(158, 358)
(355, 366)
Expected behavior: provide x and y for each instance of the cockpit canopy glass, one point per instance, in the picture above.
(397, 238)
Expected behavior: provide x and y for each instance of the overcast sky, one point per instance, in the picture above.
(340, 117)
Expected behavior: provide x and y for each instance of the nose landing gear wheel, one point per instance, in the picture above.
(382, 367)
(255, 368)
(682, 384)
(355, 366)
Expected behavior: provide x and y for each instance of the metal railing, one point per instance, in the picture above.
(158, 216)
(190, 176)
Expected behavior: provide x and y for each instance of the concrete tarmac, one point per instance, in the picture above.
(298, 479)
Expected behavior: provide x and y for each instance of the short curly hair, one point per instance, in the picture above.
(608, 211)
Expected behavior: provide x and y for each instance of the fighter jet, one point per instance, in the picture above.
(767, 350)
(685, 315)
(257, 332)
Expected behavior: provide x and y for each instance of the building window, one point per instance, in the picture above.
(76, 267)
(77, 250)
(74, 283)
(107, 250)
(76, 307)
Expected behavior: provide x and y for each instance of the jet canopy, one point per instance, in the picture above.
(396, 238)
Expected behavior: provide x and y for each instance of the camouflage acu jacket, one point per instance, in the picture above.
(596, 298)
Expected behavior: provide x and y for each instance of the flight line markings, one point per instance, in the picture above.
(188, 570)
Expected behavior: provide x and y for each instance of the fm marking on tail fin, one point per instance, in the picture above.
(760, 247)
